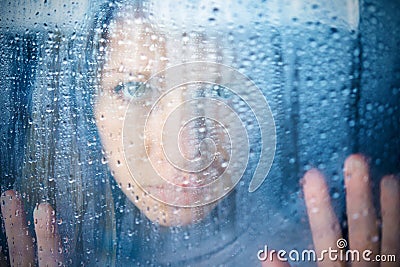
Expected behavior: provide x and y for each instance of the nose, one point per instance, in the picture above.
(186, 138)
(181, 136)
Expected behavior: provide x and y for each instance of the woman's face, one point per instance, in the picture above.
(136, 154)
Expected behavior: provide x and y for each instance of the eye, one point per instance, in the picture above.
(130, 90)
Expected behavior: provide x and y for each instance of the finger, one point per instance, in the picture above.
(361, 215)
(390, 209)
(48, 240)
(324, 224)
(273, 261)
(20, 243)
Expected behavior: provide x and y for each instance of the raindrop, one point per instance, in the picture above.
(137, 221)
(185, 38)
(186, 236)
(314, 210)
(365, 213)
(335, 193)
(375, 238)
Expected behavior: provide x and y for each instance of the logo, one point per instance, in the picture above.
(341, 243)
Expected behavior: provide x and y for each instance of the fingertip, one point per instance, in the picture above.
(390, 182)
(43, 208)
(48, 240)
(11, 203)
(19, 241)
(314, 183)
(355, 162)
(313, 175)
(43, 211)
(356, 174)
(356, 158)
(8, 195)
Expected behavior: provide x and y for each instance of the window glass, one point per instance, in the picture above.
(177, 133)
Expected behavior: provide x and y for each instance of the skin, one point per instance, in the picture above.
(326, 229)
(130, 59)
(135, 52)
(323, 222)
(390, 203)
(362, 219)
(20, 242)
(361, 214)
(49, 247)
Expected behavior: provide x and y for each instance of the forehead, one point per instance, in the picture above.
(134, 48)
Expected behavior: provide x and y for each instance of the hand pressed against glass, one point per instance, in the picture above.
(20, 243)
(361, 216)
(135, 51)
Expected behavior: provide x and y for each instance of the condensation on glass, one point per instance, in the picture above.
(327, 68)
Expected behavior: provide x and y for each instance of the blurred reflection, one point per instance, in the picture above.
(330, 74)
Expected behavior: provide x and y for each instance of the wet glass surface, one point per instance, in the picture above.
(71, 73)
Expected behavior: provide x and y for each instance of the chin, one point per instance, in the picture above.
(162, 213)
(177, 216)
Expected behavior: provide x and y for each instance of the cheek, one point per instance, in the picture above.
(111, 123)
(109, 120)
(110, 115)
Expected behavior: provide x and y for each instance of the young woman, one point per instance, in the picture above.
(83, 131)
